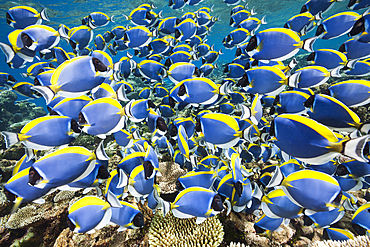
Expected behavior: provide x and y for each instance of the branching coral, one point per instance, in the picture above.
(171, 231)
(360, 241)
(23, 217)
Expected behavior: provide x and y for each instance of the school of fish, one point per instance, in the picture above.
(313, 146)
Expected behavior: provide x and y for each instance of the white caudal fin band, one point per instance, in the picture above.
(10, 138)
(355, 148)
(100, 152)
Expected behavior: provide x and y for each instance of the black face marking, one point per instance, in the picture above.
(33, 176)
(151, 104)
(217, 203)
(342, 48)
(168, 62)
(320, 29)
(70, 225)
(272, 128)
(197, 72)
(9, 195)
(243, 82)
(182, 90)
(351, 3)
(286, 25)
(304, 9)
(26, 40)
(258, 229)
(99, 65)
(75, 126)
(161, 124)
(307, 221)
(102, 173)
(177, 34)
(198, 126)
(179, 186)
(252, 44)
(311, 57)
(239, 188)
(11, 78)
(81, 118)
(173, 130)
(148, 169)
(341, 170)
(358, 27)
(8, 18)
(238, 52)
(309, 101)
(138, 220)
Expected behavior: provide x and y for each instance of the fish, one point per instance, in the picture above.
(80, 164)
(284, 43)
(42, 133)
(113, 120)
(97, 19)
(356, 5)
(252, 24)
(139, 36)
(185, 30)
(225, 125)
(18, 190)
(313, 76)
(127, 217)
(89, 214)
(315, 6)
(337, 25)
(352, 93)
(328, 58)
(360, 219)
(65, 79)
(302, 23)
(20, 17)
(323, 144)
(276, 204)
(209, 204)
(324, 219)
(337, 234)
(295, 187)
(333, 113)
(196, 91)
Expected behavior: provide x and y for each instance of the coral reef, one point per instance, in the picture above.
(170, 173)
(360, 241)
(171, 231)
(15, 114)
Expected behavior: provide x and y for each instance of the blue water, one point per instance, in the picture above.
(70, 13)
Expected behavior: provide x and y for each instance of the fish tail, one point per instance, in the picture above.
(8, 52)
(355, 148)
(46, 91)
(16, 205)
(365, 127)
(10, 138)
(100, 152)
(43, 15)
(307, 44)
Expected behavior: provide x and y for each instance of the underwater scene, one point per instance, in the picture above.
(185, 123)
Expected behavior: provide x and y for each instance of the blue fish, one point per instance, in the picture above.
(208, 204)
(81, 163)
(316, 144)
(127, 217)
(21, 17)
(42, 133)
(352, 93)
(277, 44)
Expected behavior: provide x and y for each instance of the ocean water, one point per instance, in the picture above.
(70, 13)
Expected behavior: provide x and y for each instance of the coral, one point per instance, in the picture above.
(23, 217)
(237, 245)
(170, 173)
(171, 231)
(64, 195)
(359, 241)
